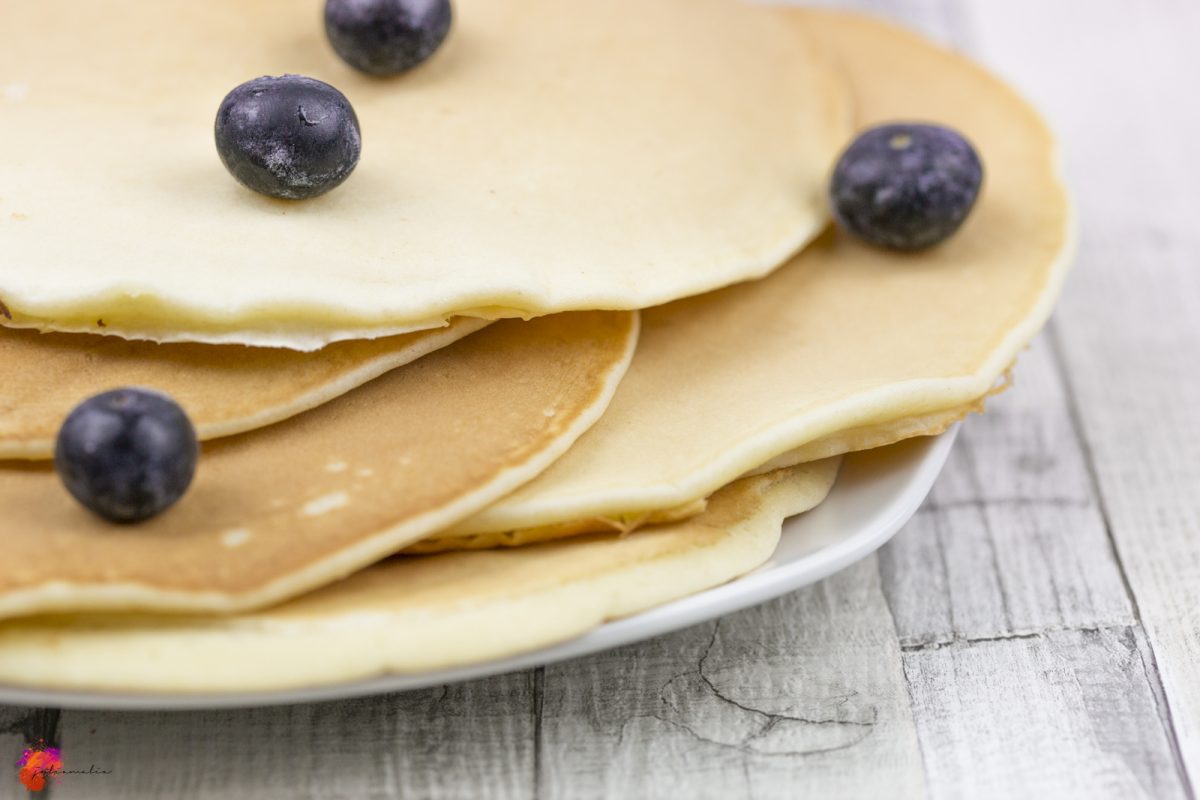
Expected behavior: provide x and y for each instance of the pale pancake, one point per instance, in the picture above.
(843, 337)
(418, 613)
(867, 437)
(307, 501)
(225, 389)
(552, 156)
(443, 541)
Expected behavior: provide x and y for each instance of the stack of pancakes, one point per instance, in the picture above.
(573, 341)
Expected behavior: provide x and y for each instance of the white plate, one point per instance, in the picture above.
(876, 493)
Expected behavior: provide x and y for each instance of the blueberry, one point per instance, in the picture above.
(290, 137)
(386, 37)
(127, 454)
(906, 186)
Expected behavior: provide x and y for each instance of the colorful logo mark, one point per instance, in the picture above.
(37, 764)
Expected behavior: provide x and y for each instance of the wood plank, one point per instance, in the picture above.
(471, 740)
(1011, 536)
(1013, 544)
(1010, 565)
(1129, 325)
(1065, 714)
(802, 696)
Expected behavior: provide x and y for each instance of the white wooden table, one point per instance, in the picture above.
(1035, 631)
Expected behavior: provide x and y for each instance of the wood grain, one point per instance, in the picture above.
(803, 696)
(1064, 714)
(1129, 325)
(1023, 654)
(471, 740)
(1011, 536)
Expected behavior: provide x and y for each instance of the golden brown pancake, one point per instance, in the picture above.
(297, 505)
(416, 613)
(225, 389)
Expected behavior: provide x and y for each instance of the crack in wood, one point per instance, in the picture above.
(940, 643)
(920, 645)
(767, 721)
(749, 751)
(771, 718)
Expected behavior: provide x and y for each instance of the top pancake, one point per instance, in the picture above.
(846, 338)
(552, 156)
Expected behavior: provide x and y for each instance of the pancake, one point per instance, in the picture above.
(551, 156)
(870, 437)
(843, 337)
(225, 389)
(305, 502)
(443, 541)
(867, 437)
(416, 613)
(821, 476)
